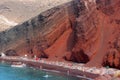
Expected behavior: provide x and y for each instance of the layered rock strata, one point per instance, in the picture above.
(36, 35)
(96, 33)
(83, 31)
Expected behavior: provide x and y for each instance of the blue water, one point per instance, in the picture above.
(10, 73)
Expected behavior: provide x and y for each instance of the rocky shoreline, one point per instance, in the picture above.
(67, 68)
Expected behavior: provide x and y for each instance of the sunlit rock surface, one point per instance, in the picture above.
(18, 11)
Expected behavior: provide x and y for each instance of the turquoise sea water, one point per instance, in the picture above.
(10, 73)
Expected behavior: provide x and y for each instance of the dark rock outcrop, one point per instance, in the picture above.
(85, 31)
(11, 53)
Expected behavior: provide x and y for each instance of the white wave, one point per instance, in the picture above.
(51, 70)
(5, 21)
(47, 76)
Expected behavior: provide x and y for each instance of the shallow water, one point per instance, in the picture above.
(10, 73)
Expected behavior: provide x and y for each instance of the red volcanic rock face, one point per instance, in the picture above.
(83, 31)
(87, 32)
(97, 33)
(112, 54)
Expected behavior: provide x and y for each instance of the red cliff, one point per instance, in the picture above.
(82, 31)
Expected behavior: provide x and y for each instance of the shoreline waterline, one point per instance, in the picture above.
(47, 66)
(29, 73)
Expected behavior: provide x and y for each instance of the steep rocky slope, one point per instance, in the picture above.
(39, 33)
(83, 31)
(97, 33)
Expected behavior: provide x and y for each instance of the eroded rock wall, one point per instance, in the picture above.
(97, 33)
(37, 34)
(109, 52)
(87, 31)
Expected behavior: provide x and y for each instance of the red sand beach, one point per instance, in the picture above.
(60, 67)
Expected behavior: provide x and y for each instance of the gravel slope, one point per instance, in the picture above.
(13, 12)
